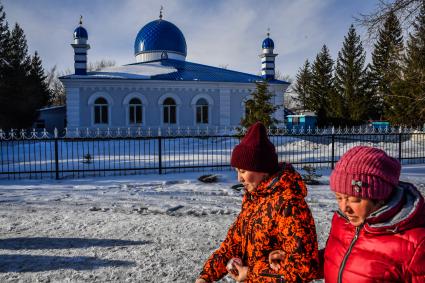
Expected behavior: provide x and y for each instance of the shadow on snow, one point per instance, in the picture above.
(38, 263)
(40, 243)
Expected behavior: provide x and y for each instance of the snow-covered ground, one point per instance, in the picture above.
(151, 228)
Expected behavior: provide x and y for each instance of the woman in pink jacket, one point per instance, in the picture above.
(378, 233)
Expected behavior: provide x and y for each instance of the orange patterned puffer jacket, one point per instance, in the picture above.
(273, 217)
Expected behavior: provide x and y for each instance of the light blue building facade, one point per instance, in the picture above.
(301, 121)
(162, 89)
(50, 118)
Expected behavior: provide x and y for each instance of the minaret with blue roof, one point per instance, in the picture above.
(80, 49)
(267, 59)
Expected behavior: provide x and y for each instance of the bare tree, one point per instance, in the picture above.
(405, 10)
(99, 65)
(291, 100)
(56, 87)
(283, 77)
(289, 96)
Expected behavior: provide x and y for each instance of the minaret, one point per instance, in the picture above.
(80, 49)
(267, 59)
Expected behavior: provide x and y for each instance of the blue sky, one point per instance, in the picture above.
(220, 32)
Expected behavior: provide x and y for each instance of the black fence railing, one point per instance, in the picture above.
(74, 157)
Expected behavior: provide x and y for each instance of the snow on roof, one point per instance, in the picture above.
(142, 71)
(173, 70)
(51, 108)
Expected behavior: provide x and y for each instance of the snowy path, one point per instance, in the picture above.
(127, 229)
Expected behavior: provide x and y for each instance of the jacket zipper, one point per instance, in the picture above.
(356, 236)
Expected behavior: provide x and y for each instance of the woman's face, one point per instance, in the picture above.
(250, 179)
(356, 209)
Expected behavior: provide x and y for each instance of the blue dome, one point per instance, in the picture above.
(268, 43)
(80, 32)
(160, 35)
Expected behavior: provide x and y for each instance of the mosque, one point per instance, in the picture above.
(161, 89)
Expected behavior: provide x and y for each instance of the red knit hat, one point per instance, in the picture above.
(365, 172)
(255, 152)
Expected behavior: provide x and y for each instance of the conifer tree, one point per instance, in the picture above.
(408, 100)
(4, 37)
(23, 89)
(374, 105)
(303, 85)
(260, 107)
(18, 55)
(4, 64)
(350, 81)
(321, 86)
(18, 113)
(386, 64)
(40, 94)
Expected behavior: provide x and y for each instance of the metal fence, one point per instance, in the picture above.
(31, 155)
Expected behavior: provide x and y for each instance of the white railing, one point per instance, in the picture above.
(33, 134)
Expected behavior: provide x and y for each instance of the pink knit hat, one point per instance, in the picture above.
(365, 172)
(255, 151)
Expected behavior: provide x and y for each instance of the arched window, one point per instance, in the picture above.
(101, 111)
(202, 111)
(169, 111)
(135, 111)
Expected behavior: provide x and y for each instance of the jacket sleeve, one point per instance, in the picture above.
(416, 268)
(215, 267)
(297, 237)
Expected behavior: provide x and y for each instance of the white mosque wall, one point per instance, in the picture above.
(226, 107)
(73, 107)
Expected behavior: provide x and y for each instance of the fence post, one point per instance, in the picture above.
(333, 150)
(399, 145)
(160, 154)
(56, 155)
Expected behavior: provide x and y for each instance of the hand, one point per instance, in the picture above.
(200, 280)
(275, 257)
(236, 270)
(231, 265)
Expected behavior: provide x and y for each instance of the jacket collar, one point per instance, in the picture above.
(284, 181)
(404, 210)
(267, 186)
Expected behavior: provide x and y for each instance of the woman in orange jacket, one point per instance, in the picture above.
(274, 216)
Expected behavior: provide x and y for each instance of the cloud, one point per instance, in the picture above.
(217, 32)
